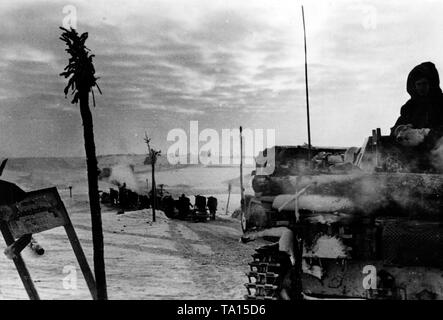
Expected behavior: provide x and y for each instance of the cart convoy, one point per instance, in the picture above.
(204, 208)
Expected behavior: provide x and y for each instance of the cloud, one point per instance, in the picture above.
(177, 109)
(225, 63)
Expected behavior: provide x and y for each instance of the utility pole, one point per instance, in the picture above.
(241, 172)
(154, 192)
(152, 154)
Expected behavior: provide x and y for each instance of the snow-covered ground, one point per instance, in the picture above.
(165, 259)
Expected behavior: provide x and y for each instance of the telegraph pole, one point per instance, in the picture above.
(241, 172)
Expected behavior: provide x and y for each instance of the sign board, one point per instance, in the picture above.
(41, 210)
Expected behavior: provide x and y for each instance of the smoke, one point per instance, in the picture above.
(386, 193)
(437, 155)
(120, 174)
(409, 137)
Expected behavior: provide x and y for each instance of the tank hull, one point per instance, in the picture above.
(374, 280)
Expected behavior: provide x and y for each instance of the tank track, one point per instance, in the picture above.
(267, 270)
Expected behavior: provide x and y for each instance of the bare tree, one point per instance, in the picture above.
(152, 157)
(81, 73)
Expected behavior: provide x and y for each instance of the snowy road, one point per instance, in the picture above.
(166, 259)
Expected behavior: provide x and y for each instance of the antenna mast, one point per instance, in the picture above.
(307, 91)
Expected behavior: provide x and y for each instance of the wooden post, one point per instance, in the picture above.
(152, 154)
(79, 254)
(154, 191)
(20, 264)
(81, 258)
(241, 172)
(229, 196)
(78, 251)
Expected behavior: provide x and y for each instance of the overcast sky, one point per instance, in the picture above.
(224, 63)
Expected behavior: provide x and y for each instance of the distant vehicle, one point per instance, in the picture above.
(202, 210)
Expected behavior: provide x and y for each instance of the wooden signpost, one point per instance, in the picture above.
(39, 211)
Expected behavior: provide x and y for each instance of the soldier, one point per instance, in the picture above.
(421, 118)
(144, 202)
(184, 206)
(200, 203)
(168, 205)
(212, 206)
(113, 194)
(420, 125)
(123, 196)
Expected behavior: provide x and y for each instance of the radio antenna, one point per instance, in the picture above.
(307, 90)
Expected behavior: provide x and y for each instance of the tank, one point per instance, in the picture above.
(352, 223)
